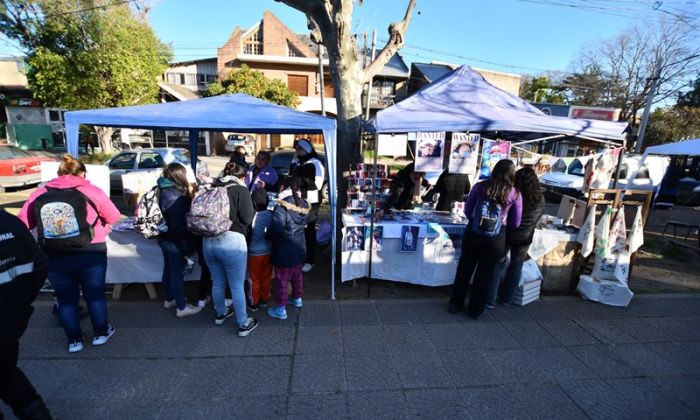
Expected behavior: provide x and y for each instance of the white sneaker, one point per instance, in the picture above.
(102, 339)
(307, 267)
(75, 346)
(202, 303)
(228, 302)
(189, 310)
(168, 304)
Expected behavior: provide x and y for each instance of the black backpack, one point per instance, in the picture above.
(61, 217)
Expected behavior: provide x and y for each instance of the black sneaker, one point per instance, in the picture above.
(253, 307)
(219, 319)
(263, 303)
(453, 308)
(248, 327)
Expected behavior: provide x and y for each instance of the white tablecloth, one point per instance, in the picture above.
(133, 259)
(435, 261)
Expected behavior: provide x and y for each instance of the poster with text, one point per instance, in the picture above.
(429, 151)
(492, 151)
(374, 239)
(464, 154)
(409, 238)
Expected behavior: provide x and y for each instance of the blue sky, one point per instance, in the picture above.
(526, 34)
(519, 36)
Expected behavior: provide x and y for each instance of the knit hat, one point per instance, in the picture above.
(306, 145)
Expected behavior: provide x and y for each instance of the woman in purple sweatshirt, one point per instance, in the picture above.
(484, 240)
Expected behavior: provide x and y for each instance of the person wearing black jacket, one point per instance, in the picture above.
(23, 270)
(519, 240)
(452, 188)
(308, 168)
(227, 254)
(176, 243)
(407, 189)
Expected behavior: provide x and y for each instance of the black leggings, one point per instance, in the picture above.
(484, 252)
(310, 234)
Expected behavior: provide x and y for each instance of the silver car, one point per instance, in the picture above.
(148, 160)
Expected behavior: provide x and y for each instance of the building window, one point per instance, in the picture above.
(173, 78)
(292, 51)
(202, 79)
(382, 88)
(253, 44)
(190, 80)
(211, 78)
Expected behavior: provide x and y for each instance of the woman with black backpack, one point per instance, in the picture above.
(72, 218)
(176, 243)
(492, 207)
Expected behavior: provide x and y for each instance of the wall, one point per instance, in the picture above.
(504, 81)
(12, 72)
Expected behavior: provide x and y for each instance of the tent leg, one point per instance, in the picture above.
(194, 138)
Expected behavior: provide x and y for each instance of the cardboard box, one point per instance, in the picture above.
(572, 211)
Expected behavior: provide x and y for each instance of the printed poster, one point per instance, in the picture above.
(464, 154)
(409, 238)
(375, 238)
(429, 151)
(354, 238)
(492, 152)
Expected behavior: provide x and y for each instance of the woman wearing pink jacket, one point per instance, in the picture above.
(72, 218)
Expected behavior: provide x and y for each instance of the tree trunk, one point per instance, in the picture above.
(104, 136)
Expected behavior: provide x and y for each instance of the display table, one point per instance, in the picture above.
(133, 259)
(434, 263)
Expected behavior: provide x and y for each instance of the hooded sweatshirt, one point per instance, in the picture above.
(287, 231)
(106, 210)
(174, 204)
(241, 210)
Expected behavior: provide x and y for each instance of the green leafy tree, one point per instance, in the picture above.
(87, 54)
(540, 89)
(692, 97)
(672, 124)
(254, 83)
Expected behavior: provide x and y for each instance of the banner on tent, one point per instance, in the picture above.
(492, 152)
(392, 144)
(465, 151)
(429, 151)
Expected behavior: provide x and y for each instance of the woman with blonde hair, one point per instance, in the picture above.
(72, 218)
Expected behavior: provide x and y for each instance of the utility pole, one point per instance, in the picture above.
(650, 97)
(320, 78)
(369, 87)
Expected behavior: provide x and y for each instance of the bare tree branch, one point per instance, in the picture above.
(396, 31)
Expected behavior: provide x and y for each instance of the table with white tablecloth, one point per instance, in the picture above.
(134, 259)
(434, 263)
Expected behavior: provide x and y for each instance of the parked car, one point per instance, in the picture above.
(150, 160)
(245, 140)
(565, 179)
(282, 159)
(19, 168)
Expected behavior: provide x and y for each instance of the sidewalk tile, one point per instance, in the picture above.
(270, 341)
(450, 337)
(222, 341)
(602, 362)
(469, 368)
(648, 400)
(545, 401)
(599, 400)
(686, 356)
(606, 331)
(683, 388)
(318, 373)
(319, 315)
(356, 314)
(515, 366)
(315, 340)
(568, 333)
(490, 336)
(421, 369)
(510, 313)
(397, 313)
(263, 376)
(678, 329)
(643, 359)
(436, 404)
(544, 311)
(496, 402)
(560, 365)
(371, 339)
(435, 312)
(319, 406)
(640, 330)
(366, 372)
(372, 405)
(530, 334)
(407, 338)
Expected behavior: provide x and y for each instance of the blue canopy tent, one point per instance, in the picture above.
(239, 112)
(464, 101)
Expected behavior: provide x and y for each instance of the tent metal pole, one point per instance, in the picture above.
(373, 207)
(619, 163)
(558, 136)
(194, 138)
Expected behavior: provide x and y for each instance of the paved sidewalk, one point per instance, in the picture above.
(556, 358)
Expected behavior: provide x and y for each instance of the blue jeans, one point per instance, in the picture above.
(173, 279)
(72, 273)
(518, 256)
(227, 256)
